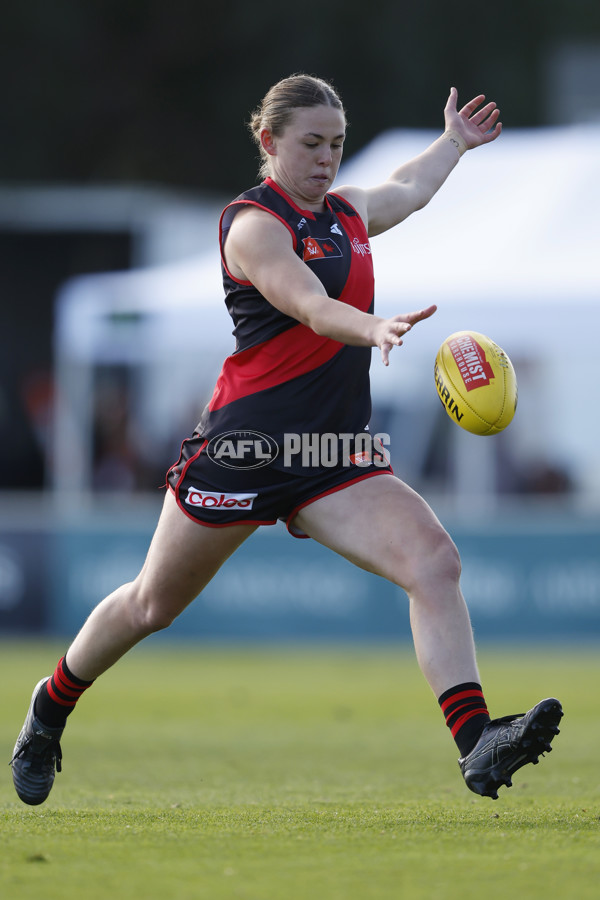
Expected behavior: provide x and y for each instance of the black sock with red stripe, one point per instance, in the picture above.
(466, 714)
(59, 695)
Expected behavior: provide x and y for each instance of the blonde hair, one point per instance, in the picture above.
(277, 107)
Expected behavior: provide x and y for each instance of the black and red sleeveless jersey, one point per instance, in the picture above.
(282, 377)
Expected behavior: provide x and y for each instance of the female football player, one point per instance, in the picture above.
(298, 278)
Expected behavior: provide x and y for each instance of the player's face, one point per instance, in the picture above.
(306, 157)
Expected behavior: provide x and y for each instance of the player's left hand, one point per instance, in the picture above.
(391, 335)
(476, 126)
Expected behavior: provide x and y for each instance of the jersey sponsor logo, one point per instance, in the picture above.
(301, 223)
(216, 500)
(335, 228)
(361, 249)
(242, 449)
(320, 248)
(471, 360)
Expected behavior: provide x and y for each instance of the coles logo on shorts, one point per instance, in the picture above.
(216, 500)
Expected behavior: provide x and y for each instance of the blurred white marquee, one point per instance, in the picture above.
(510, 247)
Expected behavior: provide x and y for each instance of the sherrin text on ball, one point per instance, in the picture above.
(476, 382)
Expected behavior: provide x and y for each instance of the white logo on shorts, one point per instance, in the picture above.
(209, 500)
(242, 449)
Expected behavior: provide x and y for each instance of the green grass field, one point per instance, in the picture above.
(298, 774)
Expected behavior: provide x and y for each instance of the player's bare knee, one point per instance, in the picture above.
(157, 618)
(438, 562)
(148, 612)
(447, 558)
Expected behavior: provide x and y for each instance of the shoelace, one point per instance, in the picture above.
(53, 746)
(505, 720)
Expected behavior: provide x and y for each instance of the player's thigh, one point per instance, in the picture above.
(183, 557)
(381, 525)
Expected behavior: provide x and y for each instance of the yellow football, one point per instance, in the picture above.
(476, 382)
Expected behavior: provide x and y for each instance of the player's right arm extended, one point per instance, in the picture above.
(259, 249)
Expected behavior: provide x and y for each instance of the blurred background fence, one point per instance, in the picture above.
(124, 137)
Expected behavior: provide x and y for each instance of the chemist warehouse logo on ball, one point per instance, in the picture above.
(471, 361)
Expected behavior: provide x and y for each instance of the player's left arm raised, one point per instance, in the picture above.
(413, 184)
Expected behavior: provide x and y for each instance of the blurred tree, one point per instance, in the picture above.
(147, 91)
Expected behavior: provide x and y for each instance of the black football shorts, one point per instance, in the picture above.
(219, 495)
